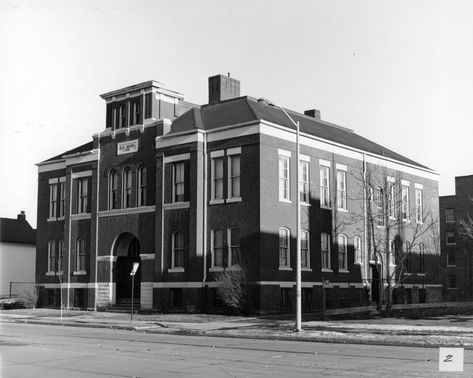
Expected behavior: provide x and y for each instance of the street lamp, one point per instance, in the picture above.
(298, 216)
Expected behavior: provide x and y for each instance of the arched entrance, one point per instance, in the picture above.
(127, 250)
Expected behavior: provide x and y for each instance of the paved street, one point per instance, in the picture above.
(51, 351)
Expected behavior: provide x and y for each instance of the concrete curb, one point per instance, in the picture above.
(309, 336)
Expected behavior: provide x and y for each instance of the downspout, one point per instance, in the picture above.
(365, 223)
(97, 226)
(70, 242)
(204, 225)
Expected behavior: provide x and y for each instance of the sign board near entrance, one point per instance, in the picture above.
(135, 268)
(103, 292)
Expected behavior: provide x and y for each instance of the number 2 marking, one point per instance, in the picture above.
(448, 358)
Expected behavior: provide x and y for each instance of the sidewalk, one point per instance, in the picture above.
(432, 332)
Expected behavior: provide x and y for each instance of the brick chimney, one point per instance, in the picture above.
(314, 113)
(223, 88)
(21, 217)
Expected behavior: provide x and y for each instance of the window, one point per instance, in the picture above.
(234, 176)
(136, 112)
(392, 253)
(380, 205)
(324, 186)
(407, 257)
(178, 177)
(127, 187)
(113, 190)
(306, 298)
(284, 235)
(60, 257)
(304, 181)
(421, 266)
(285, 298)
(342, 253)
(341, 189)
(142, 182)
(234, 257)
(419, 206)
(217, 248)
(52, 256)
(451, 281)
(62, 198)
(177, 250)
(175, 296)
(148, 105)
(83, 192)
(391, 200)
(122, 116)
(405, 202)
(358, 250)
(449, 215)
(52, 201)
(305, 251)
(325, 248)
(284, 178)
(451, 237)
(217, 178)
(81, 255)
(451, 261)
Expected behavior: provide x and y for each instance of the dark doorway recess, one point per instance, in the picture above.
(374, 283)
(127, 250)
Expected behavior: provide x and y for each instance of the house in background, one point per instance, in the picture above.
(457, 250)
(190, 191)
(17, 253)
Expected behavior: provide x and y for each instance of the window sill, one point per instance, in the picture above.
(358, 263)
(449, 221)
(451, 288)
(176, 205)
(285, 268)
(216, 201)
(421, 274)
(51, 219)
(306, 269)
(342, 210)
(343, 271)
(325, 207)
(451, 266)
(52, 273)
(233, 199)
(407, 274)
(216, 269)
(327, 270)
(61, 218)
(80, 273)
(234, 268)
(406, 221)
(284, 200)
(80, 216)
(176, 270)
(305, 204)
(450, 243)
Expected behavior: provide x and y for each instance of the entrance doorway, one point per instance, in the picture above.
(374, 283)
(127, 250)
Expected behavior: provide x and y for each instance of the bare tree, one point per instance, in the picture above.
(232, 281)
(398, 229)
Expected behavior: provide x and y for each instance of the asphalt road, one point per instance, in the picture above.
(28, 350)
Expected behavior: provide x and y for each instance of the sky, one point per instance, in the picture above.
(397, 72)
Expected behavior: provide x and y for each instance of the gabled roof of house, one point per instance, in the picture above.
(246, 109)
(16, 231)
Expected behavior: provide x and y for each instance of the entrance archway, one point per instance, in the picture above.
(127, 250)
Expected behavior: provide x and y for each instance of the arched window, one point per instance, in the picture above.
(284, 249)
(342, 253)
(142, 183)
(113, 190)
(127, 186)
(358, 250)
